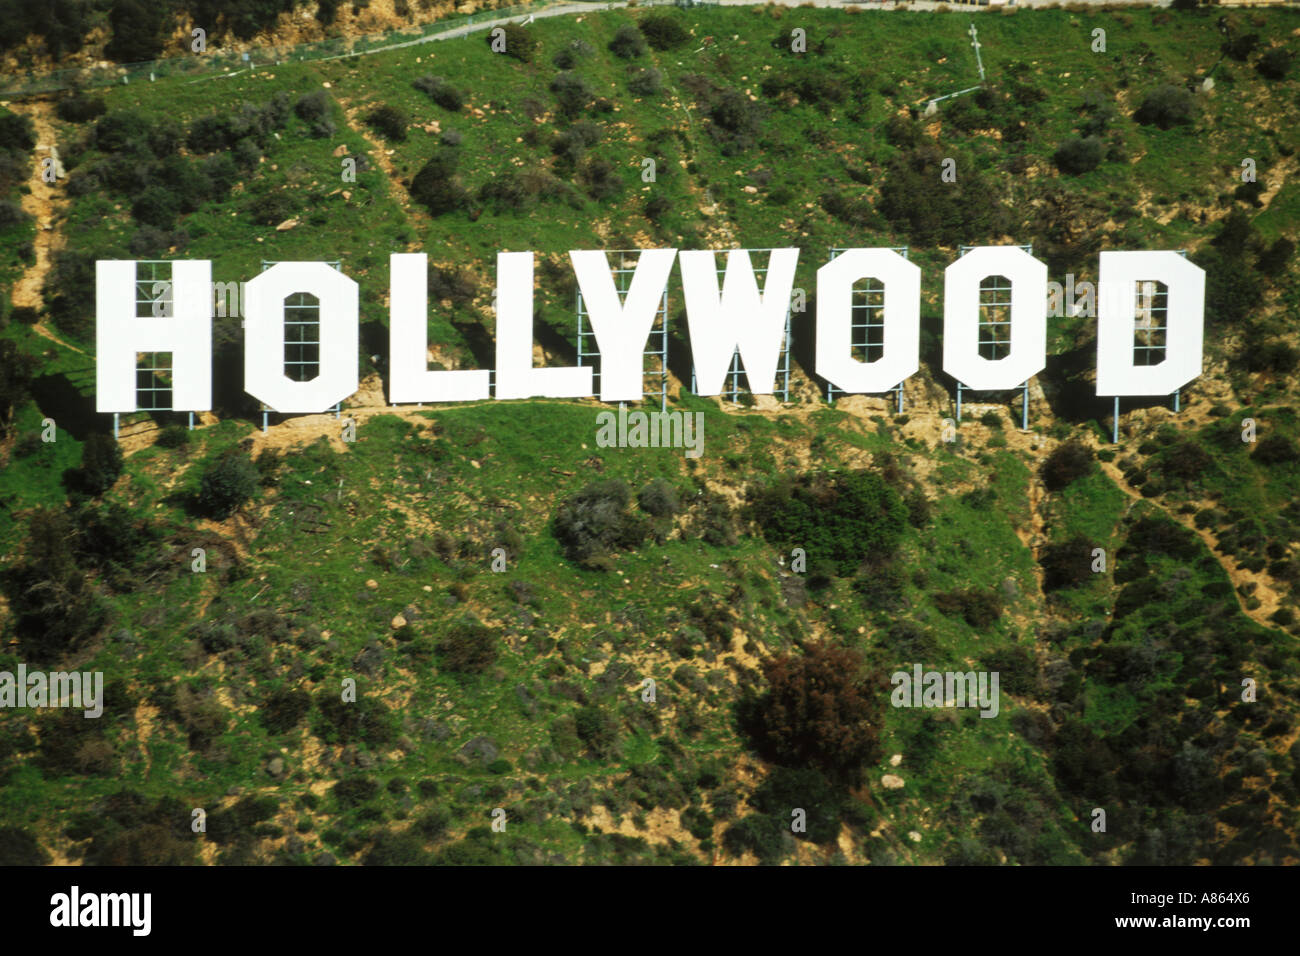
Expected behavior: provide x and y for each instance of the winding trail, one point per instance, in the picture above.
(45, 204)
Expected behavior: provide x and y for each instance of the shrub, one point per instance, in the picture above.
(157, 206)
(628, 43)
(572, 93)
(932, 216)
(659, 499)
(601, 178)
(101, 463)
(1241, 46)
(1079, 154)
(435, 186)
(518, 42)
(663, 32)
(355, 791)
(389, 122)
(597, 728)
(842, 519)
(173, 436)
(569, 56)
(785, 788)
(760, 834)
(20, 848)
(1067, 564)
(1070, 461)
(283, 710)
(821, 711)
(1276, 450)
(138, 28)
(396, 849)
(1166, 106)
(227, 483)
(81, 108)
(468, 648)
(645, 82)
(979, 607)
(596, 521)
(314, 110)
(1273, 260)
(1274, 64)
(440, 91)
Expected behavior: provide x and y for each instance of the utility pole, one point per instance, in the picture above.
(974, 41)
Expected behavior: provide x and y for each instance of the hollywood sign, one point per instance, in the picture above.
(736, 318)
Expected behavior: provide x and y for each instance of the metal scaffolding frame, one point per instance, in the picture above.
(302, 344)
(589, 351)
(1000, 336)
(862, 332)
(734, 373)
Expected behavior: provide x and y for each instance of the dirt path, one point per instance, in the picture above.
(1268, 597)
(45, 204)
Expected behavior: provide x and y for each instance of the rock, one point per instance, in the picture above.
(286, 225)
(398, 621)
(891, 782)
(276, 768)
(372, 584)
(895, 760)
(341, 150)
(914, 836)
(1010, 589)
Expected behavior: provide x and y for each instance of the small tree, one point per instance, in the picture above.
(821, 711)
(1079, 154)
(663, 32)
(389, 122)
(628, 42)
(468, 648)
(101, 463)
(1067, 464)
(1274, 64)
(226, 484)
(1166, 106)
(519, 43)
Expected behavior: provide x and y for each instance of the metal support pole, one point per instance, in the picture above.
(1177, 399)
(115, 426)
(1114, 424)
(959, 401)
(900, 398)
(191, 421)
(264, 423)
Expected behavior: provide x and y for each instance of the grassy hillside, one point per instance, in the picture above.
(523, 690)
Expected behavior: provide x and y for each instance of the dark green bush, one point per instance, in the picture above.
(389, 122)
(628, 43)
(659, 499)
(596, 522)
(845, 519)
(1166, 106)
(1069, 462)
(468, 647)
(663, 31)
(1079, 154)
(519, 42)
(440, 91)
(101, 463)
(81, 108)
(227, 483)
